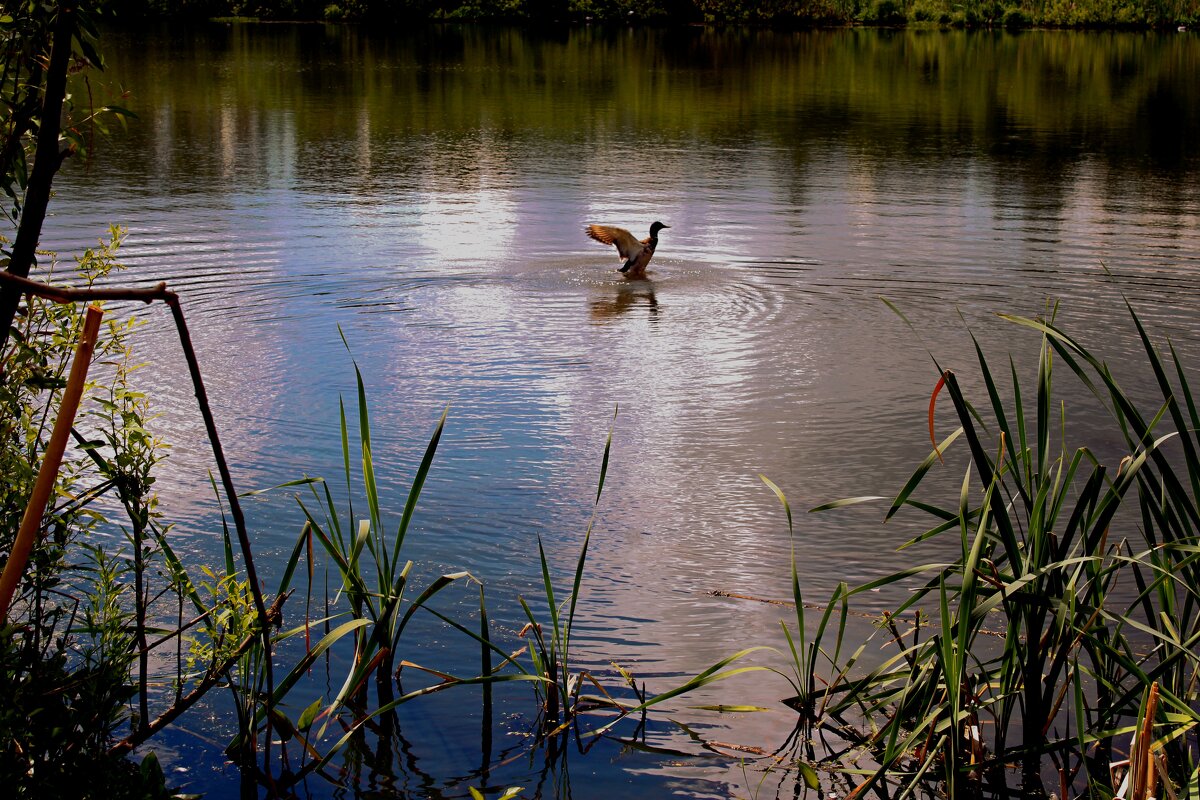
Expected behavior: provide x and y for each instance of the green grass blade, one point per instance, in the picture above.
(1192, 459)
(289, 568)
(1042, 454)
(226, 540)
(998, 411)
(306, 481)
(983, 464)
(716, 672)
(845, 502)
(418, 483)
(370, 484)
(430, 591)
(486, 641)
(607, 451)
(176, 568)
(1022, 442)
(918, 475)
(346, 471)
(783, 499)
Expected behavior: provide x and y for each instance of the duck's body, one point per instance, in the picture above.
(636, 254)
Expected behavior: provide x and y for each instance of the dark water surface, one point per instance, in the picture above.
(427, 193)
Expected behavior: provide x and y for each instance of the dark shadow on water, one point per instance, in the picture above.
(390, 757)
(384, 760)
(384, 763)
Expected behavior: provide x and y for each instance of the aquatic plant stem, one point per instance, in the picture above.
(18, 557)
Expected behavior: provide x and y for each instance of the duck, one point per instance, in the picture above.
(636, 254)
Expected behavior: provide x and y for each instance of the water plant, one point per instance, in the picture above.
(374, 578)
(372, 585)
(558, 687)
(1049, 626)
(807, 649)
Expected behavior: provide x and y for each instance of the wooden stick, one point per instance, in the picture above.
(14, 568)
(63, 294)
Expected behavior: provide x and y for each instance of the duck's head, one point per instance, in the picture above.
(656, 227)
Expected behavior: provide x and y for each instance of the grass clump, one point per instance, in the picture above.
(1075, 595)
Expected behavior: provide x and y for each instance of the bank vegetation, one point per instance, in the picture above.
(774, 13)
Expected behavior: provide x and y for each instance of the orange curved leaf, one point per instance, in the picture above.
(932, 404)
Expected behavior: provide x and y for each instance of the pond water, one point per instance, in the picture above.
(424, 194)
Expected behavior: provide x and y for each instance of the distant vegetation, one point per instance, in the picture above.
(782, 13)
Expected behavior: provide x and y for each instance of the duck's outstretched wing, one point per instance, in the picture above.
(626, 243)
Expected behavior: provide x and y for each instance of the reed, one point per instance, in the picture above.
(372, 586)
(1044, 562)
(806, 650)
(560, 686)
(373, 576)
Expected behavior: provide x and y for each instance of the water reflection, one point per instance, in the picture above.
(628, 295)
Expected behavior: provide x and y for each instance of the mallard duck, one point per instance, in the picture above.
(636, 254)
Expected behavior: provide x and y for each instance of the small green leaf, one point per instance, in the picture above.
(848, 501)
(282, 724)
(120, 112)
(308, 716)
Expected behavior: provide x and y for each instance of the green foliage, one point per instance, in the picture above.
(929, 11)
(105, 643)
(84, 613)
(1109, 13)
(35, 368)
(83, 620)
(1028, 638)
(74, 628)
(884, 12)
(65, 701)
(780, 13)
(72, 644)
(487, 9)
(1015, 17)
(231, 619)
